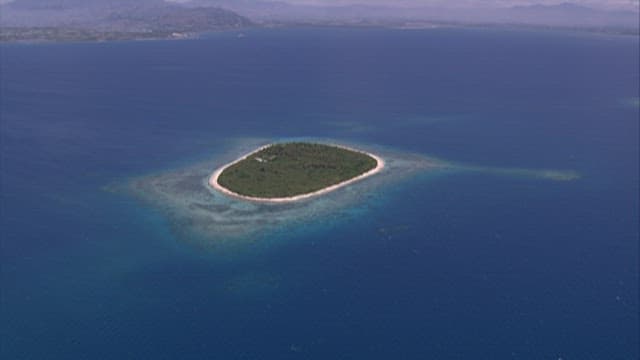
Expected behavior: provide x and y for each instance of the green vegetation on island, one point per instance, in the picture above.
(291, 169)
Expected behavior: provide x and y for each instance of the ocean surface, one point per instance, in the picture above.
(464, 266)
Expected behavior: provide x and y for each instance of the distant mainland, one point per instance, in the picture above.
(294, 171)
(99, 20)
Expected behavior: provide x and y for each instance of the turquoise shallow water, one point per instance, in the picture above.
(454, 266)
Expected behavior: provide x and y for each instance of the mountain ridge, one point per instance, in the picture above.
(108, 19)
(154, 17)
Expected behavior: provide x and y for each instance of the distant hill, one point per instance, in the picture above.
(151, 17)
(115, 19)
(571, 15)
(562, 15)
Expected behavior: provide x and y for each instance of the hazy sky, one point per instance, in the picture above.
(601, 4)
(628, 4)
(606, 4)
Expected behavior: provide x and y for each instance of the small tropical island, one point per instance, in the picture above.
(294, 171)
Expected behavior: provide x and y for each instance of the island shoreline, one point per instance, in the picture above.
(213, 179)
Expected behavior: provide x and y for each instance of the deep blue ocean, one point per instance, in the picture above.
(463, 266)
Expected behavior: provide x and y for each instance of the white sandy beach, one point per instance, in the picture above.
(213, 179)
